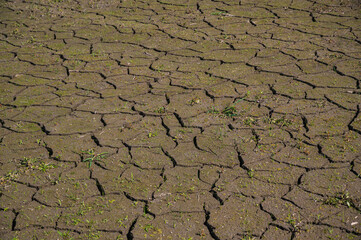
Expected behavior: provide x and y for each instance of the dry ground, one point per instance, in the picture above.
(180, 119)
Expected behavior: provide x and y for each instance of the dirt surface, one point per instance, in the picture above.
(180, 119)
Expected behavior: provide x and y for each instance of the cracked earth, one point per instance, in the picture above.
(180, 119)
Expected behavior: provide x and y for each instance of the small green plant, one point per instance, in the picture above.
(65, 235)
(213, 111)
(230, 111)
(45, 166)
(29, 162)
(10, 176)
(91, 156)
(292, 220)
(93, 235)
(159, 68)
(278, 121)
(195, 101)
(160, 110)
(152, 134)
(341, 198)
(220, 13)
(95, 54)
(35, 163)
(148, 227)
(249, 121)
(250, 173)
(121, 221)
(16, 33)
(283, 122)
(335, 56)
(248, 238)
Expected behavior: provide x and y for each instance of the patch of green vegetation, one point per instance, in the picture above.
(148, 227)
(94, 235)
(341, 198)
(282, 122)
(91, 156)
(293, 221)
(28, 162)
(27, 127)
(65, 235)
(121, 221)
(212, 110)
(194, 101)
(45, 166)
(159, 68)
(35, 163)
(26, 165)
(160, 110)
(249, 121)
(10, 176)
(152, 134)
(250, 173)
(248, 238)
(220, 13)
(230, 111)
(16, 33)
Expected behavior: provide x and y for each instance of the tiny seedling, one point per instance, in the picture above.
(248, 238)
(213, 111)
(91, 156)
(220, 13)
(159, 68)
(249, 121)
(65, 235)
(160, 110)
(152, 134)
(35, 163)
(148, 227)
(45, 166)
(250, 173)
(292, 220)
(10, 176)
(230, 111)
(195, 101)
(282, 122)
(28, 162)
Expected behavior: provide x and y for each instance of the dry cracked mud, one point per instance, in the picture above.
(180, 119)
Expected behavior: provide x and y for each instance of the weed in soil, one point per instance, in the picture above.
(341, 198)
(230, 111)
(91, 156)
